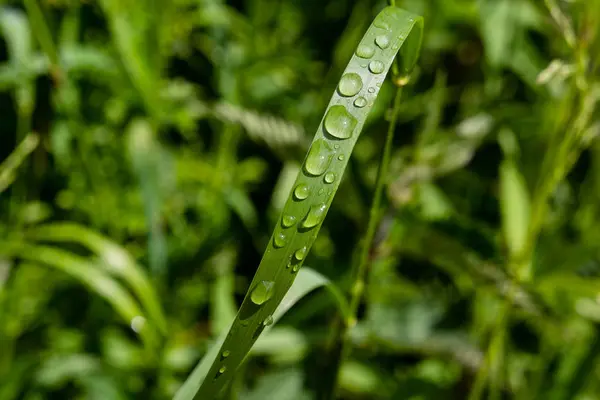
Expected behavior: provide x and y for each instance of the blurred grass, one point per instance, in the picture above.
(147, 148)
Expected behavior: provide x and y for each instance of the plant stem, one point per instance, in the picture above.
(340, 349)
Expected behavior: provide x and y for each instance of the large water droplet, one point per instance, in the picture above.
(365, 51)
(360, 102)
(339, 122)
(301, 253)
(319, 158)
(280, 240)
(350, 84)
(376, 67)
(315, 216)
(268, 321)
(262, 292)
(329, 177)
(301, 191)
(383, 41)
(287, 221)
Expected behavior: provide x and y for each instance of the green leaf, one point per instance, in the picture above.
(394, 30)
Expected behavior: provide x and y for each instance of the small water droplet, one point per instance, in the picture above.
(341, 157)
(280, 240)
(329, 177)
(321, 191)
(365, 51)
(315, 216)
(245, 322)
(395, 47)
(382, 23)
(288, 221)
(296, 268)
(337, 146)
(383, 41)
(222, 370)
(360, 102)
(371, 90)
(225, 354)
(376, 67)
(301, 253)
(339, 123)
(350, 84)
(269, 320)
(318, 158)
(364, 65)
(301, 191)
(262, 292)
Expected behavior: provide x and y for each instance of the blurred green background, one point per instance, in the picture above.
(147, 147)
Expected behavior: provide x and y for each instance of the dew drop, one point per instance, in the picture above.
(225, 354)
(288, 221)
(315, 216)
(269, 320)
(296, 268)
(280, 240)
(318, 158)
(365, 51)
(371, 90)
(383, 41)
(321, 191)
(137, 323)
(364, 65)
(350, 84)
(341, 157)
(339, 123)
(329, 177)
(222, 370)
(301, 191)
(300, 253)
(262, 292)
(360, 102)
(376, 67)
(337, 146)
(382, 23)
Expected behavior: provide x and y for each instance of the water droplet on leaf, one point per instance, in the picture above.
(350, 84)
(318, 158)
(376, 67)
(329, 177)
(383, 41)
(365, 51)
(296, 268)
(222, 370)
(280, 240)
(225, 354)
(371, 90)
(382, 23)
(301, 191)
(288, 221)
(301, 253)
(268, 321)
(360, 102)
(315, 216)
(262, 292)
(339, 123)
(341, 157)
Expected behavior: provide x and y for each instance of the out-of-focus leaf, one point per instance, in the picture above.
(114, 258)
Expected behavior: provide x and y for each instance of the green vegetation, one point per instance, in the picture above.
(152, 151)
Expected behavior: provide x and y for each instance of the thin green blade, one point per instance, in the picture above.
(393, 31)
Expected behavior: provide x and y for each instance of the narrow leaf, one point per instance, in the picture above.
(394, 30)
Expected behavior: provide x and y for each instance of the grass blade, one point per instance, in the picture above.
(116, 259)
(394, 30)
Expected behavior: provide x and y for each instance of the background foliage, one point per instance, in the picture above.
(148, 147)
